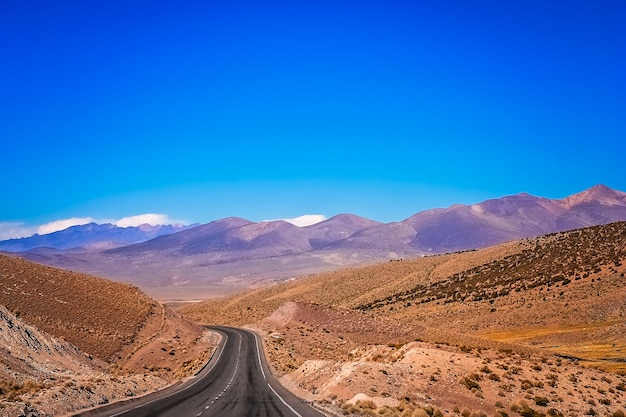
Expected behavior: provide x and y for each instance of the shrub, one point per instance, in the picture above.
(526, 411)
(469, 383)
(541, 401)
(494, 377)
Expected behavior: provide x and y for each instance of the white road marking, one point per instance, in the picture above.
(232, 378)
(258, 353)
(175, 392)
(284, 402)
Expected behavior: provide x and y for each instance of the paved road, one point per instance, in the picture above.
(235, 384)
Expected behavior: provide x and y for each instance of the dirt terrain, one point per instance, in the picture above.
(73, 341)
(533, 327)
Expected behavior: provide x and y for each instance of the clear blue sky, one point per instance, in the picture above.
(205, 109)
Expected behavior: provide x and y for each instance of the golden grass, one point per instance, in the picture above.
(608, 354)
(522, 334)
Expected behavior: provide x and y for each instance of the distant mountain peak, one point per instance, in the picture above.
(598, 193)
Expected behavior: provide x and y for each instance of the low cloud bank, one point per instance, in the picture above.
(305, 220)
(14, 230)
(63, 224)
(152, 219)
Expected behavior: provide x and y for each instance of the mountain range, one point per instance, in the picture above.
(91, 236)
(231, 253)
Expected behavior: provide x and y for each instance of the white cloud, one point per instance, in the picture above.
(148, 218)
(14, 230)
(306, 220)
(57, 225)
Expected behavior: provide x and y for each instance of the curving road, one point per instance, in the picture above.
(235, 383)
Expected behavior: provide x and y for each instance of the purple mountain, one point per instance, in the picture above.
(90, 236)
(235, 238)
(462, 227)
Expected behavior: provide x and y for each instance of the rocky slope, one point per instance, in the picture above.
(42, 375)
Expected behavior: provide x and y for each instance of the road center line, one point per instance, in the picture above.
(195, 381)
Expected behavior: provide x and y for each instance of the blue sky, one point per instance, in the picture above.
(198, 110)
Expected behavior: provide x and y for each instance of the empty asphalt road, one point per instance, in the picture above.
(235, 384)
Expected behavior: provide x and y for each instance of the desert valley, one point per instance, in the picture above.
(511, 307)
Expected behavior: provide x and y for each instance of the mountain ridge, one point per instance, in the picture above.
(90, 236)
(233, 253)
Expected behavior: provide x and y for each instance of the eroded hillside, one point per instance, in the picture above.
(41, 375)
(76, 341)
(532, 326)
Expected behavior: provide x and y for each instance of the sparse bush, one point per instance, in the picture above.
(469, 383)
(485, 369)
(494, 377)
(541, 401)
(527, 411)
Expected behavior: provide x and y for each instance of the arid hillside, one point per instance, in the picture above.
(64, 331)
(532, 326)
(99, 317)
